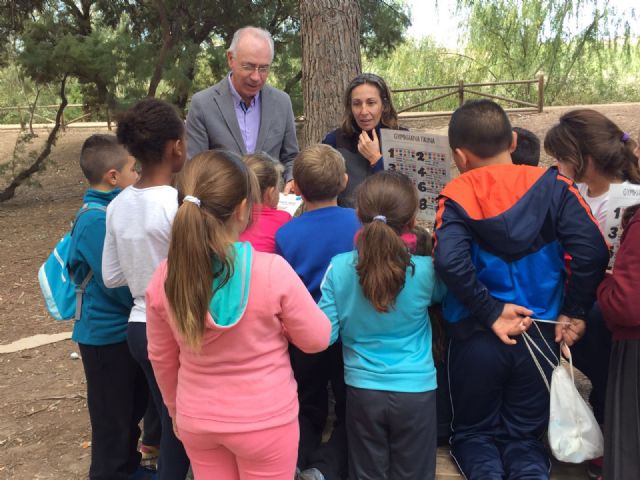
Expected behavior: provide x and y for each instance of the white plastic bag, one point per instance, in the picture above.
(574, 433)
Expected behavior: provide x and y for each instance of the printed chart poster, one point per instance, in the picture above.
(621, 196)
(423, 157)
(289, 203)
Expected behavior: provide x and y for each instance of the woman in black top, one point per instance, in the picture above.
(367, 109)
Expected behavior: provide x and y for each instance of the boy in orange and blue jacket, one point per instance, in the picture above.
(501, 234)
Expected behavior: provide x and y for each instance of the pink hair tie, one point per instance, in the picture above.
(409, 238)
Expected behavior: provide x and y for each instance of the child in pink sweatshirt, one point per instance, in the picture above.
(219, 316)
(266, 220)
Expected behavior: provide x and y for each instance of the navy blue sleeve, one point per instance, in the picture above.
(580, 237)
(378, 166)
(452, 261)
(331, 139)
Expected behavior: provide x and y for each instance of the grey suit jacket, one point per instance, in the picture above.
(212, 123)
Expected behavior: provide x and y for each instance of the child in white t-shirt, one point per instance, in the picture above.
(138, 230)
(595, 153)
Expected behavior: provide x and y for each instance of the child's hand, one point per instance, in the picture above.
(513, 320)
(288, 188)
(369, 148)
(569, 330)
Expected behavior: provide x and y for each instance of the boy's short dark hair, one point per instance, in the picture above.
(319, 171)
(527, 150)
(99, 154)
(482, 127)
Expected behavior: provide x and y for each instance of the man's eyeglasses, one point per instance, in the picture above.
(250, 67)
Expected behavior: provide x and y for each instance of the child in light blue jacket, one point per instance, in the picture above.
(377, 299)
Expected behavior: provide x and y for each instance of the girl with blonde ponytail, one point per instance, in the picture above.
(377, 299)
(217, 315)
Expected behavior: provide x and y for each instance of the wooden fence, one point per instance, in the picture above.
(461, 88)
(24, 114)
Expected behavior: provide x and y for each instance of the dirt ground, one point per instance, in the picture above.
(44, 426)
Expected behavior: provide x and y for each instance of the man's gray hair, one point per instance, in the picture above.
(256, 32)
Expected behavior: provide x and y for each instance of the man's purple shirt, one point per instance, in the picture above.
(248, 118)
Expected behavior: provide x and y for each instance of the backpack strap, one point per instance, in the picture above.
(86, 208)
(80, 288)
(80, 292)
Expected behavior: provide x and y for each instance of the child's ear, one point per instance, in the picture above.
(179, 148)
(343, 184)
(111, 177)
(271, 197)
(412, 223)
(461, 159)
(242, 214)
(514, 141)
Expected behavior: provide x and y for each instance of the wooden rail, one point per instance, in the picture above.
(25, 111)
(461, 88)
(458, 89)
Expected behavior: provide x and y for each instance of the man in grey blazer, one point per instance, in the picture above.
(241, 113)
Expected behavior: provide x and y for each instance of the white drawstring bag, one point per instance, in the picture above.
(574, 434)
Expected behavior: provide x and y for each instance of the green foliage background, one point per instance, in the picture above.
(109, 49)
(518, 40)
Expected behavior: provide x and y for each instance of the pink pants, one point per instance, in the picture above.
(263, 454)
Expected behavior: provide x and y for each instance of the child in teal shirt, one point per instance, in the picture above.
(117, 390)
(377, 299)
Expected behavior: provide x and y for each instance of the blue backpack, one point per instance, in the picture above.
(62, 296)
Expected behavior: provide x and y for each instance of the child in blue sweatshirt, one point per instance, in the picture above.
(116, 386)
(377, 299)
(308, 243)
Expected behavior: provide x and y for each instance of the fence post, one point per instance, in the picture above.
(540, 93)
(460, 92)
(23, 126)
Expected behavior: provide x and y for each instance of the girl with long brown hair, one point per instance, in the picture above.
(219, 316)
(377, 299)
(596, 153)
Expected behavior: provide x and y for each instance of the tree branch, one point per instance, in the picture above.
(39, 163)
(292, 82)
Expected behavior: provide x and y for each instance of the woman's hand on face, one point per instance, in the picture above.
(369, 148)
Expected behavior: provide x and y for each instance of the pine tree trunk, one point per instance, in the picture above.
(330, 59)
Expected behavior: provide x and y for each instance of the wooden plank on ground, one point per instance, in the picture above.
(33, 342)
